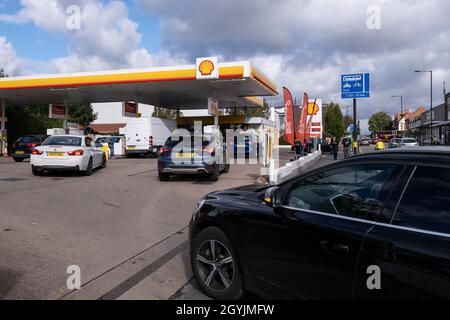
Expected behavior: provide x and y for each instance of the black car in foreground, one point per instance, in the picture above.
(375, 226)
(22, 148)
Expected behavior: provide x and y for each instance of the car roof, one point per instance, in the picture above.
(440, 154)
(68, 135)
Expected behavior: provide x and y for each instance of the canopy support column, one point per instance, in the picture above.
(3, 134)
(66, 116)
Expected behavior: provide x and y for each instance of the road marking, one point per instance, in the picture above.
(144, 273)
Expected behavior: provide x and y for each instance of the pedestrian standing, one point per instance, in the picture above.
(346, 143)
(334, 147)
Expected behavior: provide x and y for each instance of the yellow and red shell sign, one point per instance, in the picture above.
(206, 68)
(313, 109)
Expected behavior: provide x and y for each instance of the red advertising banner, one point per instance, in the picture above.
(289, 117)
(57, 111)
(301, 127)
(130, 109)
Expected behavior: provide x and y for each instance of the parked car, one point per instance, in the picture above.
(179, 157)
(374, 141)
(322, 234)
(365, 142)
(111, 140)
(22, 148)
(246, 146)
(67, 152)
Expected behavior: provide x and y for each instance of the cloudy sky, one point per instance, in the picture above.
(304, 44)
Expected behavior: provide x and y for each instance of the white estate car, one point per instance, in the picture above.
(67, 152)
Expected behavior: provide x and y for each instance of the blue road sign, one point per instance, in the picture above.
(355, 86)
(351, 128)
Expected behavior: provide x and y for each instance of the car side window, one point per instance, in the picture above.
(426, 202)
(354, 191)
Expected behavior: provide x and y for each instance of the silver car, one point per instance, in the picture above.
(409, 142)
(395, 143)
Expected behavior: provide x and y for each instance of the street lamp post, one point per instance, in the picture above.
(431, 102)
(401, 108)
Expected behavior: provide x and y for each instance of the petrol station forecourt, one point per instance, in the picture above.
(101, 222)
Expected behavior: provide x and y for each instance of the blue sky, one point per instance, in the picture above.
(34, 43)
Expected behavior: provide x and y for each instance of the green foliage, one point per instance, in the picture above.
(3, 74)
(164, 113)
(28, 120)
(380, 121)
(263, 112)
(348, 120)
(82, 114)
(334, 125)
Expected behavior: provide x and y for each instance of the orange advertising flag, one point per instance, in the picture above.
(308, 126)
(301, 127)
(289, 117)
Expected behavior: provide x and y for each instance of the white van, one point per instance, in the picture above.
(144, 136)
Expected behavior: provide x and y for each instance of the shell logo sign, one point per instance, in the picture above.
(313, 109)
(207, 68)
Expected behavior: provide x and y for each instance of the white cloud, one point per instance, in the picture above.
(107, 39)
(306, 44)
(9, 60)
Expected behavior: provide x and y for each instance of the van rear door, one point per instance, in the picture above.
(138, 135)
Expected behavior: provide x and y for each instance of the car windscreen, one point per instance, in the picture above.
(173, 141)
(63, 141)
(409, 140)
(29, 139)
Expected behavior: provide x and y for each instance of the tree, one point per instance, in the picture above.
(3, 74)
(164, 113)
(23, 120)
(348, 120)
(334, 123)
(82, 114)
(263, 112)
(380, 121)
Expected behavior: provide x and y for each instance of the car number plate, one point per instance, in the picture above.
(131, 147)
(185, 155)
(20, 152)
(55, 154)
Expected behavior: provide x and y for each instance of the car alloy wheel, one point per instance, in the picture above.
(89, 169)
(215, 265)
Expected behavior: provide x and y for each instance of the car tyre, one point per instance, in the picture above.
(37, 172)
(18, 159)
(104, 162)
(226, 281)
(227, 168)
(163, 176)
(89, 169)
(215, 175)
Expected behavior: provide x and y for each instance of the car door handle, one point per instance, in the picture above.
(327, 246)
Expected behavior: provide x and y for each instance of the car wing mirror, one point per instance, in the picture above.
(272, 197)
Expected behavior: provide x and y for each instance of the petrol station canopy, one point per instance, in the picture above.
(235, 84)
